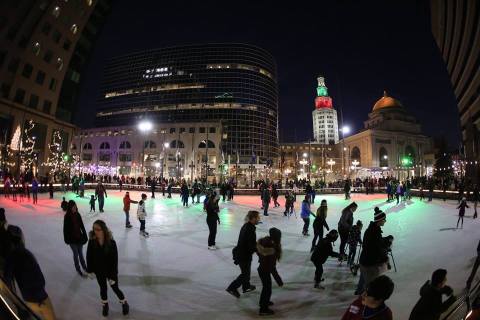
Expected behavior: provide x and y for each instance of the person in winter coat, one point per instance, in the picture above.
(100, 194)
(374, 256)
(102, 260)
(354, 238)
(371, 304)
(461, 212)
(153, 185)
(321, 253)
(242, 254)
(142, 214)
(265, 200)
(431, 305)
(346, 189)
(6, 244)
(212, 220)
(64, 204)
(50, 189)
(92, 203)
(22, 267)
(126, 208)
(389, 190)
(345, 225)
(275, 196)
(35, 191)
(305, 215)
(476, 198)
(289, 199)
(269, 250)
(319, 223)
(75, 236)
(185, 194)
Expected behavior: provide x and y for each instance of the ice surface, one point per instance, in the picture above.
(172, 275)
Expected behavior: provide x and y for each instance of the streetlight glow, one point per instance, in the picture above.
(166, 145)
(145, 126)
(345, 129)
(304, 154)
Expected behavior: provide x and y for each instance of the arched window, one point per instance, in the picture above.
(125, 145)
(150, 144)
(104, 146)
(174, 143)
(87, 146)
(383, 157)
(203, 145)
(73, 146)
(355, 154)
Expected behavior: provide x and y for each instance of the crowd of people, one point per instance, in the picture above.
(374, 288)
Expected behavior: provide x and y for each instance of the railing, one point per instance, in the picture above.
(12, 307)
(461, 307)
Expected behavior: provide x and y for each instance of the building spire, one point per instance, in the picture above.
(385, 94)
(321, 88)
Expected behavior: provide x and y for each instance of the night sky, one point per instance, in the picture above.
(360, 47)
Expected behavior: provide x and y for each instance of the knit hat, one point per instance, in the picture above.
(379, 215)
(2, 215)
(323, 203)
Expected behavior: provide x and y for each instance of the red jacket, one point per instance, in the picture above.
(356, 312)
(126, 203)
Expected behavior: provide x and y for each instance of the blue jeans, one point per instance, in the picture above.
(78, 255)
(127, 218)
(101, 201)
(142, 225)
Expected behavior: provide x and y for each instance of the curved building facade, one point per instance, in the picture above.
(456, 29)
(235, 84)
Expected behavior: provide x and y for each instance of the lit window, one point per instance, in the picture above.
(158, 69)
(36, 48)
(74, 29)
(56, 12)
(59, 64)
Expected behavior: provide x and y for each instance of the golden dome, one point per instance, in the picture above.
(386, 102)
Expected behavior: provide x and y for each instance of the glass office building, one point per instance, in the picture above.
(231, 83)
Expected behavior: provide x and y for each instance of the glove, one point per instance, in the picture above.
(447, 290)
(91, 275)
(111, 282)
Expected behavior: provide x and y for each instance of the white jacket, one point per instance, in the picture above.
(141, 213)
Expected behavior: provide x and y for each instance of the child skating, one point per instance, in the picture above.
(92, 203)
(142, 214)
(461, 212)
(320, 255)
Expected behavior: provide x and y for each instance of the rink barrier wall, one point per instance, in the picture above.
(248, 191)
(461, 307)
(12, 306)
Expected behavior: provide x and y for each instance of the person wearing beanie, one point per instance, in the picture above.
(320, 255)
(374, 256)
(22, 267)
(461, 212)
(269, 250)
(431, 305)
(345, 225)
(371, 304)
(319, 223)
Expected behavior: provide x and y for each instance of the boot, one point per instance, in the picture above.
(105, 309)
(125, 307)
(266, 312)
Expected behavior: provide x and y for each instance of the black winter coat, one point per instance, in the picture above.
(322, 251)
(375, 247)
(71, 235)
(102, 260)
(430, 305)
(247, 243)
(212, 211)
(267, 259)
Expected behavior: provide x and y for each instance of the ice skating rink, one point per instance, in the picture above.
(172, 275)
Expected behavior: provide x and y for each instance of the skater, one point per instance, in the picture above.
(126, 209)
(92, 203)
(153, 185)
(476, 197)
(212, 220)
(102, 260)
(399, 192)
(308, 192)
(430, 191)
(305, 215)
(184, 194)
(101, 194)
(345, 225)
(461, 212)
(288, 203)
(389, 190)
(269, 250)
(141, 214)
(422, 194)
(64, 204)
(322, 251)
(50, 189)
(75, 236)
(346, 189)
(275, 196)
(354, 238)
(265, 200)
(242, 254)
(6, 246)
(431, 305)
(374, 256)
(35, 190)
(169, 190)
(371, 304)
(22, 267)
(319, 223)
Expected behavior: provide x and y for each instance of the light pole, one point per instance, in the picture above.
(303, 162)
(144, 127)
(344, 130)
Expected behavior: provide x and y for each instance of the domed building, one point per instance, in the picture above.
(391, 143)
